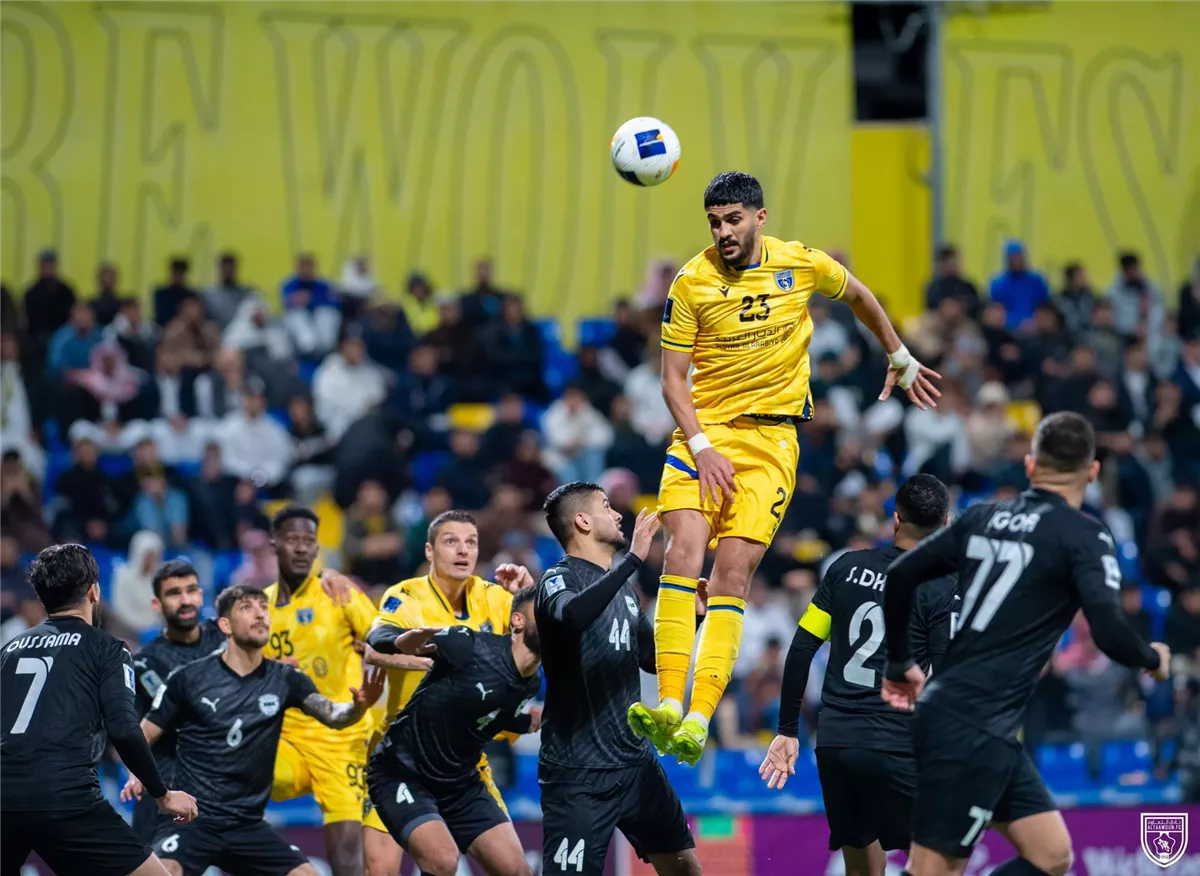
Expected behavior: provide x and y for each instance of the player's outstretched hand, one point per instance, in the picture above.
(133, 790)
(644, 530)
(372, 689)
(701, 597)
(780, 761)
(535, 719)
(179, 804)
(920, 390)
(1164, 661)
(903, 694)
(512, 577)
(415, 642)
(337, 587)
(716, 476)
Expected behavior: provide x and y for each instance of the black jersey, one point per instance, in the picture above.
(151, 666)
(851, 594)
(65, 686)
(1025, 566)
(473, 692)
(227, 729)
(592, 673)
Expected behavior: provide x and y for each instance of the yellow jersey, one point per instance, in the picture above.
(320, 634)
(419, 602)
(748, 330)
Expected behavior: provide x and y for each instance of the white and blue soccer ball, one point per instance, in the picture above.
(645, 151)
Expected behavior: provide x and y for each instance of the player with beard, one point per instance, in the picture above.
(228, 711)
(424, 776)
(179, 597)
(67, 691)
(451, 594)
(596, 775)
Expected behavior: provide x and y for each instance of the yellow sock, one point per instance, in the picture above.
(674, 634)
(718, 649)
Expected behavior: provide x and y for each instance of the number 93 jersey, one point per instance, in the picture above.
(748, 331)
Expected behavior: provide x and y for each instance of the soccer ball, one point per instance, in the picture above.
(645, 151)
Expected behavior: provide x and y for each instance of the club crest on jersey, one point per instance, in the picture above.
(785, 280)
(485, 627)
(555, 584)
(631, 604)
(391, 604)
(1164, 836)
(268, 704)
(304, 616)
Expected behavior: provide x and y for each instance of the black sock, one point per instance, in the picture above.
(1018, 867)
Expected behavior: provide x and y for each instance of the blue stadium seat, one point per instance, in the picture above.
(1127, 559)
(685, 779)
(525, 774)
(1119, 758)
(225, 563)
(549, 551)
(426, 466)
(308, 367)
(115, 466)
(1063, 766)
(596, 332)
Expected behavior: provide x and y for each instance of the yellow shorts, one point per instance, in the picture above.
(764, 461)
(371, 819)
(333, 769)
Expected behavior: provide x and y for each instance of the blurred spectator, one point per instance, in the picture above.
(16, 418)
(458, 353)
(577, 436)
(259, 566)
(387, 335)
(248, 515)
(628, 343)
(212, 510)
(14, 586)
(110, 392)
(465, 476)
(622, 488)
(420, 305)
(49, 303)
(357, 287)
(1076, 299)
(133, 583)
(21, 505)
(265, 346)
(138, 338)
(1189, 303)
(652, 295)
(1137, 385)
(90, 504)
(629, 449)
(513, 351)
(763, 686)
(219, 393)
(649, 413)
(107, 301)
(766, 619)
(1004, 354)
(1187, 749)
(936, 330)
(948, 282)
(828, 335)
(311, 309)
(503, 514)
(224, 298)
(591, 378)
(433, 503)
(423, 391)
(1135, 613)
(368, 450)
(347, 386)
(168, 297)
(937, 438)
(160, 509)
(253, 445)
(526, 471)
(1137, 303)
(312, 452)
(1187, 375)
(1106, 343)
(1046, 336)
(987, 427)
(10, 317)
(1017, 287)
(1179, 429)
(191, 337)
(482, 304)
(1182, 633)
(372, 545)
(499, 441)
(71, 346)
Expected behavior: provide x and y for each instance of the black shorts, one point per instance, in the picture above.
(966, 779)
(94, 841)
(405, 801)
(248, 849)
(868, 796)
(581, 808)
(148, 820)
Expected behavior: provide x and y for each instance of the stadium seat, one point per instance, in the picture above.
(596, 332)
(685, 779)
(1118, 759)
(549, 551)
(1024, 416)
(333, 523)
(425, 468)
(471, 417)
(1063, 766)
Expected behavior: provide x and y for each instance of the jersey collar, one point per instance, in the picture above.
(441, 597)
(737, 272)
(313, 574)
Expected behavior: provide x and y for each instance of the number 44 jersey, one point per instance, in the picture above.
(847, 610)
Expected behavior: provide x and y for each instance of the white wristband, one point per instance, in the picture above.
(699, 442)
(900, 358)
(907, 367)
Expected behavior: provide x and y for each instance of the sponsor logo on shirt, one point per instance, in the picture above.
(391, 603)
(268, 704)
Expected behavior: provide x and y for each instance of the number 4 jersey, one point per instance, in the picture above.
(847, 611)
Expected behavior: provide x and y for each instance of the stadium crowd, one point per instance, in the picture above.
(170, 429)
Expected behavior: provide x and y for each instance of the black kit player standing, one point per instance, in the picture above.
(595, 774)
(179, 597)
(227, 713)
(1025, 567)
(424, 776)
(864, 746)
(67, 690)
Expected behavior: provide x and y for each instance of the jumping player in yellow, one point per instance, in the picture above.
(451, 594)
(316, 632)
(738, 313)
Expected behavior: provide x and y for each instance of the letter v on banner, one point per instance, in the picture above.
(1164, 836)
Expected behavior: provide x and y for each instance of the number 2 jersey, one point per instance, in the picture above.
(1025, 567)
(847, 611)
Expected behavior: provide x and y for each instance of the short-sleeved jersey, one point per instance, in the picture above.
(154, 663)
(419, 602)
(227, 729)
(847, 611)
(1025, 567)
(320, 634)
(473, 692)
(592, 677)
(748, 331)
(60, 684)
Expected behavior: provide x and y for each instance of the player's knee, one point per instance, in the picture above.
(687, 543)
(438, 862)
(1055, 859)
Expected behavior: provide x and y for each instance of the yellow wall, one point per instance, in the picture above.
(1075, 126)
(424, 134)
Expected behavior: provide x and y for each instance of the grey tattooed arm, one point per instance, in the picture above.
(335, 715)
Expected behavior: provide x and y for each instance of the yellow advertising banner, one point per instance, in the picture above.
(1076, 128)
(425, 135)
